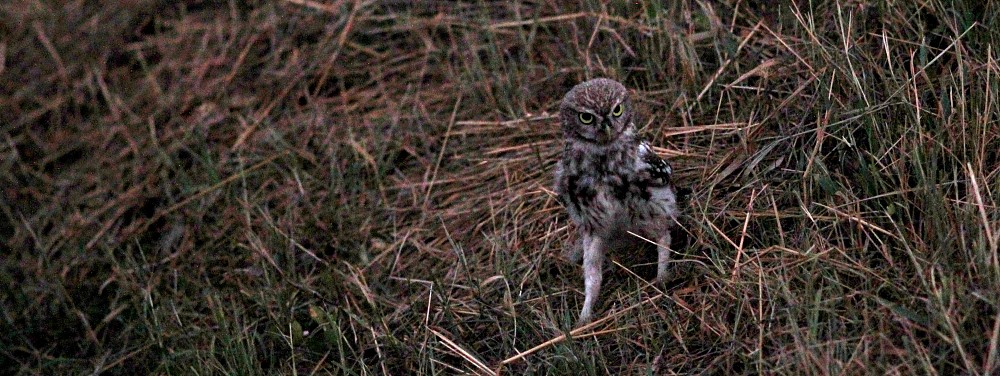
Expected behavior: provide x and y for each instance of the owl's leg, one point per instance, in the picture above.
(593, 260)
(574, 252)
(662, 256)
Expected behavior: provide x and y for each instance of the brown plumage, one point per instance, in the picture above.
(610, 181)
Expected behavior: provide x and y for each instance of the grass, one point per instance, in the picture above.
(364, 187)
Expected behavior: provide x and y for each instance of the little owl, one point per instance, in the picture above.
(610, 181)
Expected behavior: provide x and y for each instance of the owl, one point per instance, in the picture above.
(610, 181)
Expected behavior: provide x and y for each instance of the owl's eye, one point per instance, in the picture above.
(618, 110)
(586, 118)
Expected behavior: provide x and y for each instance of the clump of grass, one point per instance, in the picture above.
(363, 187)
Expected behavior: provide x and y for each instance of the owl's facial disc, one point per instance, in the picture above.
(595, 111)
(593, 127)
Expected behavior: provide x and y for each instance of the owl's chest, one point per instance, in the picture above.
(608, 201)
(596, 201)
(654, 210)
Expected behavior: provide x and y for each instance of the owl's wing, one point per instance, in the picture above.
(560, 185)
(652, 167)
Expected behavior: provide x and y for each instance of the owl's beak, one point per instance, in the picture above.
(606, 126)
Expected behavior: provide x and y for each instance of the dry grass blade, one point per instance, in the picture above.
(994, 349)
(987, 225)
(561, 17)
(465, 354)
(317, 5)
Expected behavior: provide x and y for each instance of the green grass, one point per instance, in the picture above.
(300, 187)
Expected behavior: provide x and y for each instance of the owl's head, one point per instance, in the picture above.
(596, 111)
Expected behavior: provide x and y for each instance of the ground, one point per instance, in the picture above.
(365, 187)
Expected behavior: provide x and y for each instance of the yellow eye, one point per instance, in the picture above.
(618, 110)
(586, 118)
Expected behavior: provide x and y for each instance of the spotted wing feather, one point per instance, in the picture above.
(656, 169)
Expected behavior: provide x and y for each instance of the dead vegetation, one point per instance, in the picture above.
(363, 187)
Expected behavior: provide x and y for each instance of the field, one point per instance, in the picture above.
(365, 187)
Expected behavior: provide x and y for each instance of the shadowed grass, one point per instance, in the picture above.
(364, 187)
